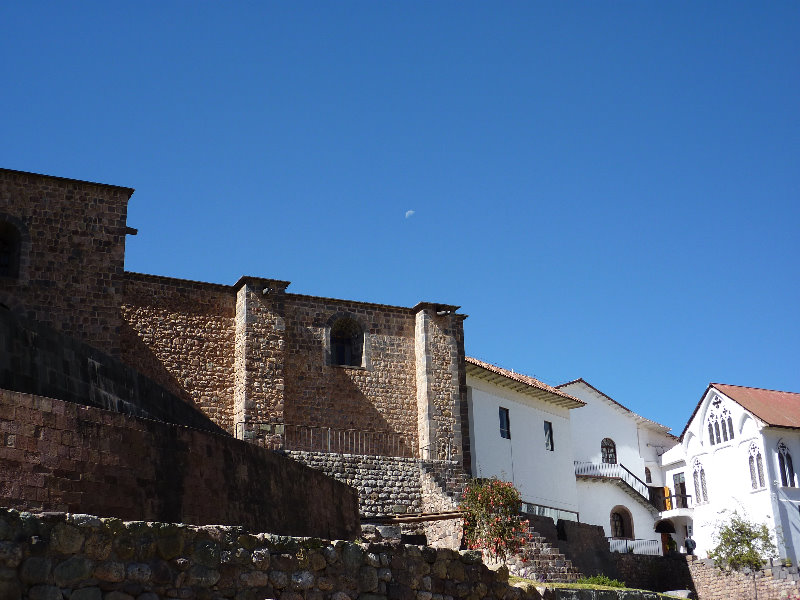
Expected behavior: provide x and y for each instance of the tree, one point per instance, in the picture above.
(492, 521)
(742, 544)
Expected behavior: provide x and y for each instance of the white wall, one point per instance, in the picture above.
(541, 476)
(601, 419)
(598, 498)
(727, 470)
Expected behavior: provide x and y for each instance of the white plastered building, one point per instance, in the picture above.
(520, 432)
(737, 453)
(617, 468)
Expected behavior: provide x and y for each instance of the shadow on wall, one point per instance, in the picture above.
(37, 359)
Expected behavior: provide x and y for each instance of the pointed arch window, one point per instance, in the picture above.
(700, 484)
(786, 466)
(720, 424)
(608, 451)
(756, 467)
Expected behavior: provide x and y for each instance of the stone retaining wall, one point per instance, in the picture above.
(773, 583)
(55, 455)
(80, 557)
(386, 485)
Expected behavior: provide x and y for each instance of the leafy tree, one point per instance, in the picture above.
(742, 544)
(492, 521)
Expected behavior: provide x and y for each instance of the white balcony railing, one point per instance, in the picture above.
(651, 547)
(613, 472)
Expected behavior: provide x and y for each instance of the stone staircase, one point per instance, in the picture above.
(540, 561)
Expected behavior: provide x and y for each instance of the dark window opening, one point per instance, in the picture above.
(608, 451)
(505, 424)
(716, 431)
(711, 433)
(648, 476)
(347, 343)
(549, 444)
(681, 497)
(621, 523)
(786, 466)
(9, 250)
(730, 428)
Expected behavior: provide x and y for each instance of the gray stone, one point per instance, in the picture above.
(111, 571)
(278, 579)
(253, 579)
(36, 570)
(85, 521)
(44, 592)
(116, 595)
(340, 596)
(206, 553)
(10, 554)
(367, 579)
(87, 593)
(138, 572)
(66, 539)
(202, 576)
(72, 571)
(352, 557)
(261, 558)
(10, 590)
(302, 580)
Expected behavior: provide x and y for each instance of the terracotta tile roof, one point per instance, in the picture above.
(775, 408)
(524, 383)
(780, 409)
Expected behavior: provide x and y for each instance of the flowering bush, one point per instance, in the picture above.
(493, 522)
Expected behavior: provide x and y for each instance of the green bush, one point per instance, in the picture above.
(601, 580)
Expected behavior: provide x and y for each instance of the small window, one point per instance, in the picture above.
(648, 476)
(608, 451)
(756, 464)
(347, 343)
(548, 436)
(700, 485)
(9, 250)
(505, 424)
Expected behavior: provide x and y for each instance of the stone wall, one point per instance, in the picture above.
(660, 573)
(65, 457)
(773, 583)
(37, 359)
(72, 254)
(82, 557)
(379, 396)
(385, 485)
(181, 334)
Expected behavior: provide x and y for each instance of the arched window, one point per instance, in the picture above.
(756, 467)
(700, 485)
(648, 476)
(608, 451)
(720, 423)
(786, 466)
(10, 242)
(621, 523)
(347, 343)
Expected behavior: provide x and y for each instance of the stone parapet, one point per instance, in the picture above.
(55, 555)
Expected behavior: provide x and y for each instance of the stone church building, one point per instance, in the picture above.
(308, 375)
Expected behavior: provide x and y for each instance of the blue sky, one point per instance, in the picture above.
(608, 189)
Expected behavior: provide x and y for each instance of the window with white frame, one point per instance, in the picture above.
(505, 424)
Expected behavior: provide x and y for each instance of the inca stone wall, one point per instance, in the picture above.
(380, 396)
(60, 456)
(72, 254)
(386, 485)
(81, 557)
(181, 334)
